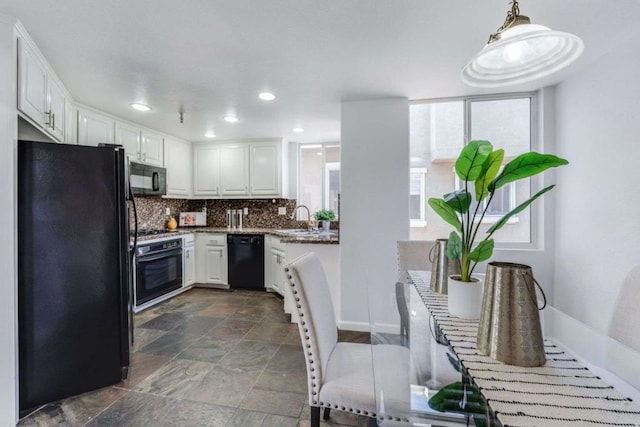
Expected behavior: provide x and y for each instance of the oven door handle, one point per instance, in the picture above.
(160, 255)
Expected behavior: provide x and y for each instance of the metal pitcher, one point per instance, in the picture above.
(442, 267)
(509, 329)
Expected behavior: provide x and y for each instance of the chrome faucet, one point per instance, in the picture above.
(293, 215)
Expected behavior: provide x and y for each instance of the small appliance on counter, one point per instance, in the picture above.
(193, 219)
(234, 219)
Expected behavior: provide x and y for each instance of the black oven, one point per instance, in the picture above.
(158, 269)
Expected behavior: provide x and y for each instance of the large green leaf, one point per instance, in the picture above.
(459, 200)
(482, 252)
(471, 159)
(451, 397)
(524, 166)
(490, 169)
(498, 225)
(454, 246)
(446, 212)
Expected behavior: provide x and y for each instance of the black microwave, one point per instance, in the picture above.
(147, 180)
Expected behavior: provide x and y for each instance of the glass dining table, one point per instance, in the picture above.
(589, 378)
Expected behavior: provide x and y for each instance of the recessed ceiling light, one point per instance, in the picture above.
(230, 119)
(210, 134)
(140, 107)
(298, 130)
(267, 96)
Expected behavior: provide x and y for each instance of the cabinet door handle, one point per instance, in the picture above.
(144, 157)
(186, 254)
(139, 156)
(47, 120)
(53, 121)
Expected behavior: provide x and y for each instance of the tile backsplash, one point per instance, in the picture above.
(263, 213)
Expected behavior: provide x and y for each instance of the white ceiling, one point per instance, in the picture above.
(211, 57)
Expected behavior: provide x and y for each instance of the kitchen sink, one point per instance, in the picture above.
(299, 232)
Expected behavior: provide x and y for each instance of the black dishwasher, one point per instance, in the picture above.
(246, 261)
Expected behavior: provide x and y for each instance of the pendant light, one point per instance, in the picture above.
(519, 52)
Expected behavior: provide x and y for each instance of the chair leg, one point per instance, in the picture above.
(315, 416)
(325, 416)
(373, 422)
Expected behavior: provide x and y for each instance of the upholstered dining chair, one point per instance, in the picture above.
(412, 255)
(340, 374)
(626, 314)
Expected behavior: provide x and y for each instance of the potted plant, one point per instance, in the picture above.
(326, 216)
(478, 167)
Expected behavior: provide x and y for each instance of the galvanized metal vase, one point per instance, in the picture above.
(509, 328)
(442, 267)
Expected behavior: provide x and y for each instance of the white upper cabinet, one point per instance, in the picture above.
(56, 111)
(152, 148)
(177, 160)
(206, 170)
(94, 128)
(265, 170)
(40, 97)
(141, 146)
(70, 123)
(237, 170)
(234, 169)
(129, 137)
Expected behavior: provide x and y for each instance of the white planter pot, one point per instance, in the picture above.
(326, 225)
(465, 298)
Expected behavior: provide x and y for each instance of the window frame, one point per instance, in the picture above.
(422, 221)
(325, 175)
(536, 183)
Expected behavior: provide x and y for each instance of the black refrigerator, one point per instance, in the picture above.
(73, 270)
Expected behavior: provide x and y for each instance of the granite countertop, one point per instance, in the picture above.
(318, 238)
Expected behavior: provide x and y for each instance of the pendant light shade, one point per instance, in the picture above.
(521, 52)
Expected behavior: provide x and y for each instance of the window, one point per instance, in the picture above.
(417, 202)
(318, 177)
(438, 131)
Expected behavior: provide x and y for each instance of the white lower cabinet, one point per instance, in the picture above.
(277, 261)
(189, 256)
(211, 259)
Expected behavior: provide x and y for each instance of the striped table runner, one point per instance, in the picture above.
(562, 392)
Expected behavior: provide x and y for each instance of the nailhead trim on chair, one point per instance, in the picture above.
(310, 360)
(343, 408)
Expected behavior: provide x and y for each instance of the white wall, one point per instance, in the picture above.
(374, 211)
(8, 249)
(598, 194)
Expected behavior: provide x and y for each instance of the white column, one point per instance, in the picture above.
(8, 233)
(374, 205)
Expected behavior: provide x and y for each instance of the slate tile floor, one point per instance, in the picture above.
(205, 358)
